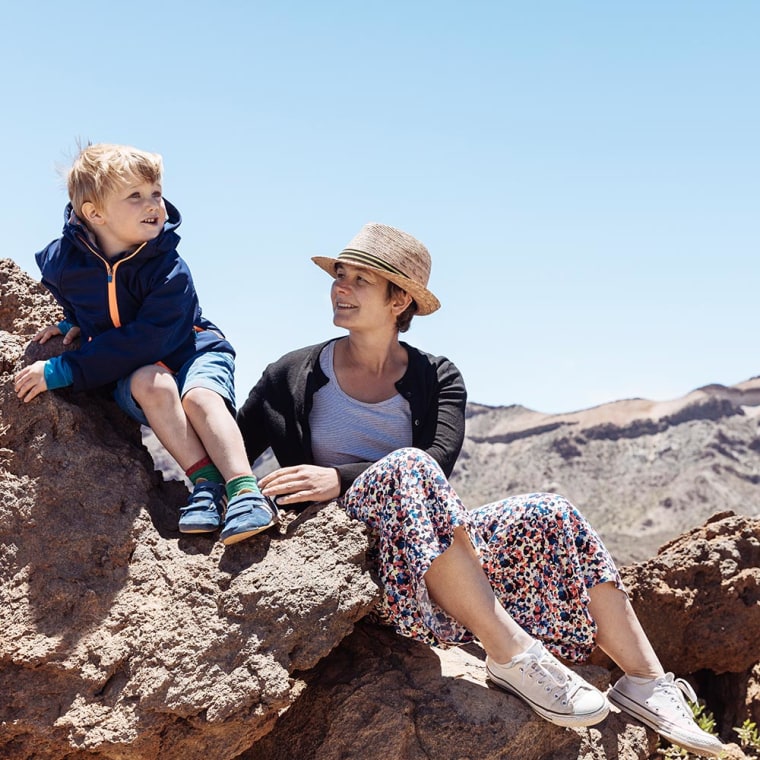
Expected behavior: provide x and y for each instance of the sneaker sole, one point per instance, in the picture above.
(634, 709)
(236, 537)
(558, 719)
(199, 529)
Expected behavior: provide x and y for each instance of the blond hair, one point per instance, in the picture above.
(100, 169)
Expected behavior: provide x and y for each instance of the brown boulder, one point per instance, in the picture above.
(699, 598)
(381, 697)
(121, 637)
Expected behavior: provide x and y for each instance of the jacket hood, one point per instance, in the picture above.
(74, 229)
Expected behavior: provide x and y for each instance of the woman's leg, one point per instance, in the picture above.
(457, 583)
(435, 588)
(619, 632)
(515, 661)
(645, 690)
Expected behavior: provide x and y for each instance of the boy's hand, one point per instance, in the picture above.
(44, 335)
(30, 381)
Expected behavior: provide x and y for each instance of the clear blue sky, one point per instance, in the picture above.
(586, 175)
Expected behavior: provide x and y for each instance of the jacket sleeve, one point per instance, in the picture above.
(46, 271)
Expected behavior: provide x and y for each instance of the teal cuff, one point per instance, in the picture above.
(64, 326)
(58, 374)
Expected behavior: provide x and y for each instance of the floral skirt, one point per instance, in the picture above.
(539, 553)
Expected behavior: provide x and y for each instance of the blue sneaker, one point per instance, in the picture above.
(248, 513)
(203, 513)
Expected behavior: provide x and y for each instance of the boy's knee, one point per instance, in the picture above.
(202, 399)
(150, 380)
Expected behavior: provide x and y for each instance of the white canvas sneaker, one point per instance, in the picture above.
(661, 705)
(549, 688)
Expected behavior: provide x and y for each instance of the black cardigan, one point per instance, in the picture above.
(276, 412)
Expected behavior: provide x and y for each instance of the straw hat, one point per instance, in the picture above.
(394, 255)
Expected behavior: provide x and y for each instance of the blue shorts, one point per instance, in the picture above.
(214, 370)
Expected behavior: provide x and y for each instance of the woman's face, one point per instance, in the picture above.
(360, 299)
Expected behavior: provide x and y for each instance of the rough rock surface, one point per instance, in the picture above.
(380, 697)
(699, 598)
(124, 639)
(699, 602)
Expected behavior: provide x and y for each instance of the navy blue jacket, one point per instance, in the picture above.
(136, 309)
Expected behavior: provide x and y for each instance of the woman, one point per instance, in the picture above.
(378, 424)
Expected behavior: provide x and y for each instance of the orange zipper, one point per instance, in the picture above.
(113, 303)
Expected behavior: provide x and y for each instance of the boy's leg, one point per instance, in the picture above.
(155, 390)
(208, 399)
(151, 396)
(217, 431)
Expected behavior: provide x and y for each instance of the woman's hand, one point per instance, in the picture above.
(305, 482)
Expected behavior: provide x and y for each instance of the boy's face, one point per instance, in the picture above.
(131, 215)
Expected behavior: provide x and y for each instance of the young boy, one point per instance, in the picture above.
(125, 290)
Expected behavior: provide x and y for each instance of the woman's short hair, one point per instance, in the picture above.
(404, 319)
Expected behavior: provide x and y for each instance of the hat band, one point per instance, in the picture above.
(360, 257)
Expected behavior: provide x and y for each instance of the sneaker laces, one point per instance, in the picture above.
(544, 669)
(677, 690)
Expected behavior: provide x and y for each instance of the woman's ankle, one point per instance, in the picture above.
(507, 649)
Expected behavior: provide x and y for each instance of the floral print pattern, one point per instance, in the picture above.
(539, 553)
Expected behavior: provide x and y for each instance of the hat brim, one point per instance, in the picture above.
(426, 302)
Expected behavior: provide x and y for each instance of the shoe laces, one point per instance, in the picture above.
(677, 691)
(547, 673)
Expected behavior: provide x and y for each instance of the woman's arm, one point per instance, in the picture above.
(442, 433)
(252, 421)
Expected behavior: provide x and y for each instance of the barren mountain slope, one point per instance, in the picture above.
(642, 471)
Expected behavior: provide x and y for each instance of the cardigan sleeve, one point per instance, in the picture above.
(276, 412)
(450, 403)
(252, 420)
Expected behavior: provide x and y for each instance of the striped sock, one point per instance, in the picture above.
(204, 469)
(240, 484)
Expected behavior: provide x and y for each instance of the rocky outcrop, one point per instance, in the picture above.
(699, 602)
(124, 639)
(378, 696)
(699, 598)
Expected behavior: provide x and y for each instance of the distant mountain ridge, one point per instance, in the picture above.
(642, 471)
